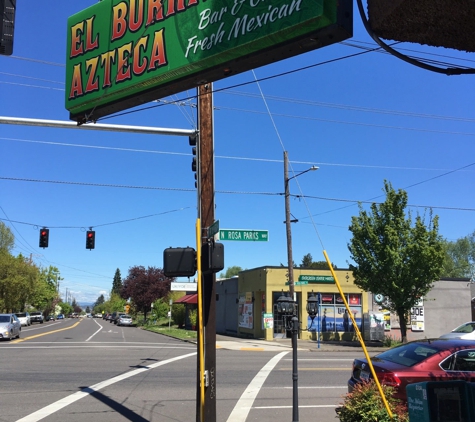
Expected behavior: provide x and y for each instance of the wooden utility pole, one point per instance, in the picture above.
(206, 214)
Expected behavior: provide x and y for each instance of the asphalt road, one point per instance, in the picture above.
(82, 370)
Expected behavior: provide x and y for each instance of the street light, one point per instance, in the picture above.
(287, 220)
(293, 323)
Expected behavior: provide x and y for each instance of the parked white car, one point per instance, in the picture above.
(10, 326)
(24, 318)
(465, 332)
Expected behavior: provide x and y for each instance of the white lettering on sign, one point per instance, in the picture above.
(238, 26)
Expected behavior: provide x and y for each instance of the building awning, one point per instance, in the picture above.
(191, 299)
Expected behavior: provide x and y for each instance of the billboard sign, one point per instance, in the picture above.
(123, 53)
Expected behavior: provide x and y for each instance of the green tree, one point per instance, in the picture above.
(231, 272)
(393, 256)
(66, 308)
(117, 282)
(307, 262)
(18, 281)
(7, 239)
(144, 286)
(460, 257)
(160, 308)
(46, 288)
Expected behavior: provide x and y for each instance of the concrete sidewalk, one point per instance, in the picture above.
(236, 343)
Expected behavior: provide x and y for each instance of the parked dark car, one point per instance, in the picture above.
(418, 361)
(50, 318)
(112, 317)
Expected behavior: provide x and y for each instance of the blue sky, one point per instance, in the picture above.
(360, 119)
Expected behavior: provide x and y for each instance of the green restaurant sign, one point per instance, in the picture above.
(123, 53)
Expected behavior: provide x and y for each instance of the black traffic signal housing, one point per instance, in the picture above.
(212, 257)
(90, 239)
(44, 237)
(193, 141)
(179, 262)
(7, 26)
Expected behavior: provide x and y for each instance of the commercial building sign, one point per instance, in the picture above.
(123, 53)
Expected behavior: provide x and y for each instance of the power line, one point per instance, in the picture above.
(97, 225)
(227, 157)
(233, 193)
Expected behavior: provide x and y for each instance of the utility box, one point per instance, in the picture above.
(440, 401)
(373, 326)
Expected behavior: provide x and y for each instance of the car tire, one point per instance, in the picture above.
(10, 337)
(18, 336)
(41, 322)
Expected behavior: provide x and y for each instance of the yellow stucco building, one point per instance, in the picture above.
(258, 290)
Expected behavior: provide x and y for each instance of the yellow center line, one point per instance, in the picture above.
(45, 334)
(252, 349)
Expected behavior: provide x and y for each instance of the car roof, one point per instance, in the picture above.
(445, 343)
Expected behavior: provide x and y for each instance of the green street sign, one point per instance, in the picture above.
(213, 229)
(124, 53)
(244, 235)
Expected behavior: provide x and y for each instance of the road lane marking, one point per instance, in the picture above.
(300, 406)
(21, 340)
(66, 401)
(245, 402)
(316, 369)
(100, 328)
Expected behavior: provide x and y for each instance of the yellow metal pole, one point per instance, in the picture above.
(358, 334)
(200, 320)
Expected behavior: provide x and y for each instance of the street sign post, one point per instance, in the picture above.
(244, 235)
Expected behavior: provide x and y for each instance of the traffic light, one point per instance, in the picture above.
(212, 257)
(90, 239)
(193, 141)
(44, 237)
(179, 262)
(7, 24)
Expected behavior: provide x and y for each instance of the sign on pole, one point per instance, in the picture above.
(124, 53)
(183, 287)
(244, 235)
(213, 229)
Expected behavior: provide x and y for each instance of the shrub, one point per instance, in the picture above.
(364, 404)
(391, 341)
(193, 316)
(178, 315)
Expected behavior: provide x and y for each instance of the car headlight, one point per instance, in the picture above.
(5, 333)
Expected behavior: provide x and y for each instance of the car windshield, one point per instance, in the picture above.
(35, 313)
(125, 317)
(465, 328)
(22, 315)
(408, 354)
(4, 318)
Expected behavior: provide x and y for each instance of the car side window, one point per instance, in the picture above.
(465, 361)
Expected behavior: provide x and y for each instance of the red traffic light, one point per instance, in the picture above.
(90, 239)
(44, 237)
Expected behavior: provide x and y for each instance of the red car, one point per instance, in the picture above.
(418, 361)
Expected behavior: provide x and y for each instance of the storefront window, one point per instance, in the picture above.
(333, 316)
